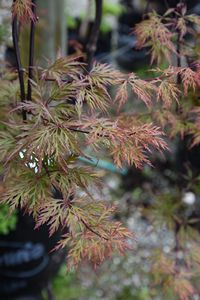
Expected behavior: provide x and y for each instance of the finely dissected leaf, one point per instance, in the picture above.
(23, 10)
(61, 68)
(143, 89)
(103, 75)
(167, 273)
(122, 93)
(38, 109)
(66, 91)
(128, 143)
(96, 97)
(94, 247)
(193, 19)
(181, 27)
(91, 232)
(183, 287)
(54, 214)
(94, 91)
(81, 177)
(7, 144)
(52, 140)
(73, 214)
(168, 92)
(9, 95)
(43, 112)
(153, 33)
(9, 92)
(26, 189)
(190, 78)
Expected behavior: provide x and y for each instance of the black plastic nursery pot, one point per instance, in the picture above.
(26, 261)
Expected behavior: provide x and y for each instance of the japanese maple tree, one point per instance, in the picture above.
(48, 118)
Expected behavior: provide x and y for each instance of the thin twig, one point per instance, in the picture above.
(92, 44)
(79, 130)
(87, 132)
(18, 61)
(99, 134)
(31, 53)
(93, 231)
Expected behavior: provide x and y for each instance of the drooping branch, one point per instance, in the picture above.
(18, 61)
(92, 44)
(69, 203)
(31, 53)
(93, 231)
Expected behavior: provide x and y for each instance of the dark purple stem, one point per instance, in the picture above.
(92, 44)
(18, 62)
(31, 53)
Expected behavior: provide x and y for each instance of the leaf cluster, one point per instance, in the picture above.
(69, 112)
(160, 34)
(23, 10)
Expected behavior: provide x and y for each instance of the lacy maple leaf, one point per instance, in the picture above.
(23, 10)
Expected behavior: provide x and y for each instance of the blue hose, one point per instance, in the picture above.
(103, 164)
